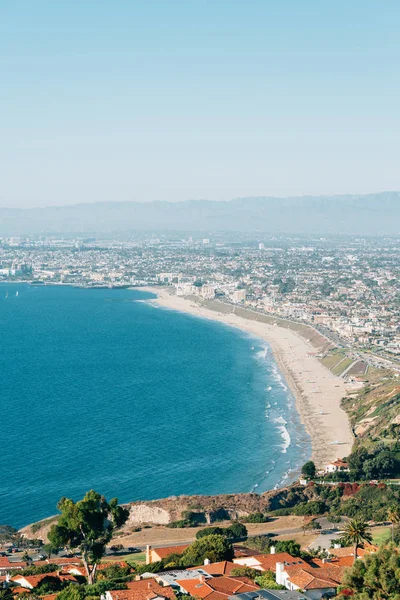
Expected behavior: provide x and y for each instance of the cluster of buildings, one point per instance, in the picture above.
(347, 288)
(309, 579)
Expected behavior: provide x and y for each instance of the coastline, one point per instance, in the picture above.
(317, 391)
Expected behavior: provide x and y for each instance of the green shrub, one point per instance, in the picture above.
(256, 517)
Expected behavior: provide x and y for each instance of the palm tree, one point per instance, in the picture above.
(394, 517)
(355, 532)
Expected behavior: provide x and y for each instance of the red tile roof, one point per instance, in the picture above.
(164, 552)
(219, 568)
(227, 586)
(144, 589)
(308, 577)
(268, 562)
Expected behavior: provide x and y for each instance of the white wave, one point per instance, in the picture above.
(285, 477)
(277, 375)
(287, 440)
(262, 354)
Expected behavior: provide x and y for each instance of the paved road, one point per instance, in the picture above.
(271, 533)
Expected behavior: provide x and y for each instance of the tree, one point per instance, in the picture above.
(376, 576)
(113, 571)
(8, 534)
(257, 517)
(266, 581)
(116, 548)
(49, 585)
(209, 531)
(289, 546)
(236, 530)
(50, 549)
(87, 525)
(394, 518)
(310, 526)
(355, 532)
(213, 547)
(259, 542)
(309, 469)
(72, 592)
(26, 558)
(245, 572)
(286, 287)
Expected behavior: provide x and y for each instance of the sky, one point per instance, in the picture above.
(119, 100)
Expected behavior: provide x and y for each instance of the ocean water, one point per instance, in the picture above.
(101, 389)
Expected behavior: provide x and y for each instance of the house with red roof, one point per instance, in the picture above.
(337, 465)
(144, 589)
(216, 588)
(157, 554)
(316, 580)
(30, 582)
(268, 562)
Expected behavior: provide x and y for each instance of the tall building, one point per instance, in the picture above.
(239, 295)
(207, 292)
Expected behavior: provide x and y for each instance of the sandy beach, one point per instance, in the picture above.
(317, 391)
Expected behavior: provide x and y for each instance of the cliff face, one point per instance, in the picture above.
(205, 509)
(202, 510)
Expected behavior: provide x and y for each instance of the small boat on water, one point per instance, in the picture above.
(17, 293)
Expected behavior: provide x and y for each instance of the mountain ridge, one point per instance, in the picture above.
(356, 214)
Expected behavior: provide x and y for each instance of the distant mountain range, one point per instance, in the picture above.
(372, 214)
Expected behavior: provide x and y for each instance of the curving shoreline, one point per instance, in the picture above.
(317, 391)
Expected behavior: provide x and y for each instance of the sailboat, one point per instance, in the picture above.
(7, 295)
(17, 293)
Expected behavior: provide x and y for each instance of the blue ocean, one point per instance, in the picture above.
(102, 389)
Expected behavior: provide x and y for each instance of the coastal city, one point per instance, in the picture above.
(347, 288)
(200, 300)
(329, 309)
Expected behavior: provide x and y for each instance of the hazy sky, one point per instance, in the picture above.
(145, 99)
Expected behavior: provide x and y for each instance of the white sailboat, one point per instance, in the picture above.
(17, 293)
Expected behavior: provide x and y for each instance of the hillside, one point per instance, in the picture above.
(375, 411)
(373, 214)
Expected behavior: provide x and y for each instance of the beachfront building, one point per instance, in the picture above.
(186, 289)
(207, 292)
(337, 465)
(239, 296)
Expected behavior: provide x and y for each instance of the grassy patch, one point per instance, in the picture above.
(342, 366)
(332, 359)
(139, 558)
(381, 535)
